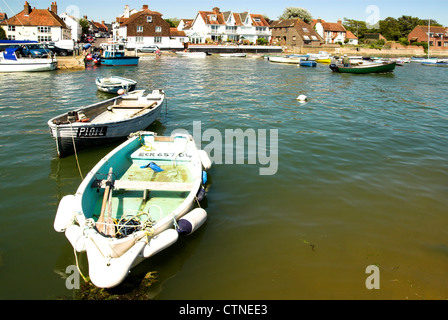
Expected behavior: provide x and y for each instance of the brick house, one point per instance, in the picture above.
(36, 24)
(438, 36)
(294, 33)
(330, 32)
(146, 27)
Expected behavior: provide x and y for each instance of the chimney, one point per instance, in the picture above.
(145, 7)
(216, 10)
(319, 20)
(102, 22)
(27, 8)
(340, 21)
(54, 8)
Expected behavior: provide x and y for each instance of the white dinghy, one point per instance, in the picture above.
(134, 203)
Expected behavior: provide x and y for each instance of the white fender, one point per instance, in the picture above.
(107, 272)
(192, 221)
(160, 242)
(65, 214)
(74, 234)
(205, 160)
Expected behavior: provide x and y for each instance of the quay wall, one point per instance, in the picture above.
(71, 62)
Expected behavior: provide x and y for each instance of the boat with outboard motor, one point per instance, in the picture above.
(105, 121)
(134, 203)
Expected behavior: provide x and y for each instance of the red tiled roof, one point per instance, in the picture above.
(350, 35)
(37, 17)
(126, 21)
(176, 33)
(207, 14)
(261, 23)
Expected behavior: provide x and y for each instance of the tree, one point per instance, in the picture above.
(358, 28)
(3, 34)
(174, 22)
(294, 12)
(84, 25)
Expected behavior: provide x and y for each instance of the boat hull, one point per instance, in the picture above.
(77, 136)
(28, 65)
(365, 69)
(119, 61)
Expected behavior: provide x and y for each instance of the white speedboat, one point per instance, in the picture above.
(12, 61)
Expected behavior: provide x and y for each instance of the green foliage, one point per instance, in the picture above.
(84, 25)
(295, 12)
(391, 28)
(262, 41)
(174, 22)
(3, 34)
(403, 41)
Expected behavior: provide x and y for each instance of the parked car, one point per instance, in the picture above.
(150, 49)
(59, 51)
(34, 50)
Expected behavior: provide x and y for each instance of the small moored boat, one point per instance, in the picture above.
(113, 84)
(12, 61)
(114, 55)
(308, 63)
(191, 54)
(134, 203)
(105, 121)
(287, 60)
(384, 67)
(232, 55)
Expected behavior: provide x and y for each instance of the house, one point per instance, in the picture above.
(73, 25)
(36, 24)
(146, 27)
(226, 26)
(99, 28)
(294, 33)
(438, 36)
(330, 32)
(351, 38)
(3, 16)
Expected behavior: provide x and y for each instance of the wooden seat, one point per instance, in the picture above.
(148, 185)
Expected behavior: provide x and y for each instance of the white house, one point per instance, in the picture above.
(226, 26)
(73, 25)
(36, 24)
(331, 32)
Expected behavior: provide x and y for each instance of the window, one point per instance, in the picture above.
(158, 29)
(139, 28)
(11, 28)
(212, 17)
(139, 39)
(257, 19)
(305, 29)
(157, 39)
(149, 19)
(43, 38)
(44, 29)
(11, 37)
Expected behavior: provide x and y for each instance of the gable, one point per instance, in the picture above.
(37, 17)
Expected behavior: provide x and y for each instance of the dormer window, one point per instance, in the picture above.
(213, 17)
(257, 19)
(149, 19)
(139, 29)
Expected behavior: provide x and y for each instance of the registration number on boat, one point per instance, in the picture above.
(92, 132)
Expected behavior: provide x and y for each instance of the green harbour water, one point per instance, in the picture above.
(361, 180)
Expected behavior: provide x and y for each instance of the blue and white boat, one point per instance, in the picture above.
(114, 55)
(114, 84)
(150, 198)
(308, 63)
(11, 60)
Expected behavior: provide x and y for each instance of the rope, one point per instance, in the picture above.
(76, 154)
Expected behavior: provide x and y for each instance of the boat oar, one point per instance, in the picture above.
(104, 225)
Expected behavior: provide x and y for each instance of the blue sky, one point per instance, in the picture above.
(329, 10)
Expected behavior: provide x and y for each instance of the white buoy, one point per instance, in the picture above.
(121, 92)
(192, 221)
(160, 242)
(302, 98)
(65, 214)
(205, 160)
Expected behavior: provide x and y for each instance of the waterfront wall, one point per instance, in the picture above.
(71, 62)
